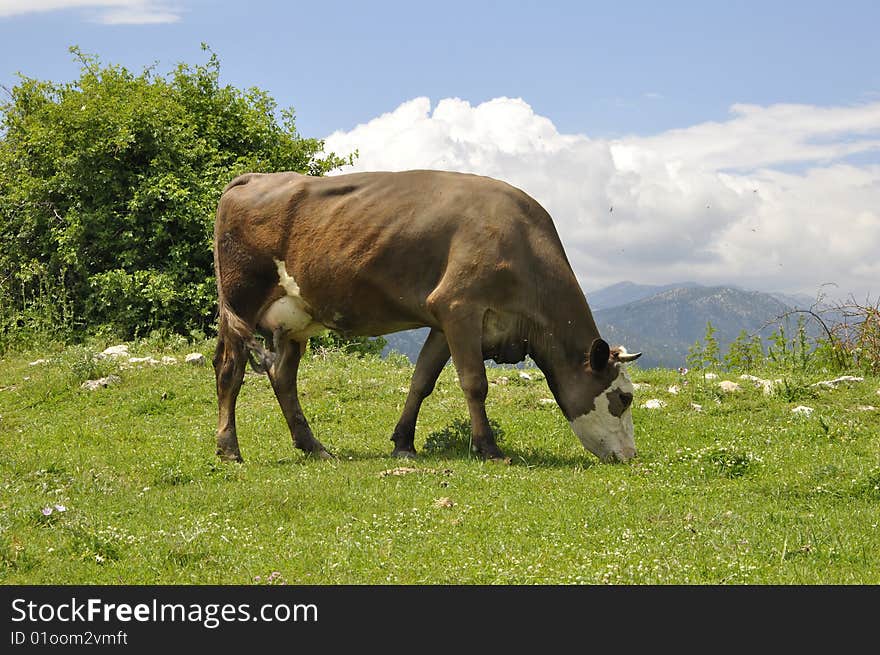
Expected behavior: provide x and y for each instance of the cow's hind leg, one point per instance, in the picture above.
(282, 375)
(229, 364)
(432, 359)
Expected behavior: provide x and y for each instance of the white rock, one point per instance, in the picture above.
(802, 410)
(169, 360)
(645, 385)
(142, 360)
(866, 408)
(711, 376)
(92, 385)
(196, 359)
(546, 401)
(525, 376)
(728, 386)
(767, 385)
(37, 362)
(674, 389)
(653, 403)
(832, 384)
(847, 378)
(696, 407)
(115, 351)
(501, 380)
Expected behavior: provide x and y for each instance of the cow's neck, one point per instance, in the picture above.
(560, 345)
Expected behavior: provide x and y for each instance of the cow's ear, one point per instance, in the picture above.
(600, 352)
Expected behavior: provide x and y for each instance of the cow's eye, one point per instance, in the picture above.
(626, 399)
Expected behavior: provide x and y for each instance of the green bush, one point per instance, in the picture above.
(108, 190)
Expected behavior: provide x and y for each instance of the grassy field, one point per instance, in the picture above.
(743, 491)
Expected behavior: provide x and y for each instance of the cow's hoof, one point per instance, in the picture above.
(230, 457)
(489, 452)
(322, 454)
(403, 453)
(501, 459)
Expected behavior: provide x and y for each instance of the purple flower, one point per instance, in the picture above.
(46, 511)
(60, 508)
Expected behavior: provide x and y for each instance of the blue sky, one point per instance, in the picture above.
(599, 68)
(645, 97)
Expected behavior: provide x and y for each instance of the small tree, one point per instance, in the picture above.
(745, 353)
(703, 356)
(109, 185)
(711, 350)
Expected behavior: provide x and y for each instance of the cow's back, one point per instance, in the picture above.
(366, 250)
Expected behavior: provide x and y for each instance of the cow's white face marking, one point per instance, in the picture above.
(290, 313)
(607, 436)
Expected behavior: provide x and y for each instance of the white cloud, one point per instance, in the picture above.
(709, 203)
(110, 12)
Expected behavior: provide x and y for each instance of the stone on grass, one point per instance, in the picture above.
(833, 384)
(766, 385)
(37, 362)
(115, 351)
(142, 360)
(195, 359)
(100, 383)
(728, 386)
(802, 410)
(654, 403)
(169, 360)
(674, 389)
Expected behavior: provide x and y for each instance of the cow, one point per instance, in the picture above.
(474, 259)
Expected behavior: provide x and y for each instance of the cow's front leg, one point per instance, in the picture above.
(282, 375)
(432, 359)
(464, 336)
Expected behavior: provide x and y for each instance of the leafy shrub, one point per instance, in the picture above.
(725, 461)
(85, 364)
(794, 389)
(456, 437)
(108, 189)
(360, 346)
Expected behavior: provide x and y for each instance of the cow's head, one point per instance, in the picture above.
(602, 416)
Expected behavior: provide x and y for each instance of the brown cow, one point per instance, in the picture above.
(475, 259)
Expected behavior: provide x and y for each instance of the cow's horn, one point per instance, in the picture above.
(623, 356)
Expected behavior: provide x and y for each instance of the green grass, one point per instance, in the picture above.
(744, 491)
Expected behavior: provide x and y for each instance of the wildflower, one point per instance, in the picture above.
(682, 370)
(46, 511)
(60, 508)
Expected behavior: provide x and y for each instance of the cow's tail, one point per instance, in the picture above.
(232, 327)
(260, 358)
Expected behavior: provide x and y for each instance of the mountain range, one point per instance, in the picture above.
(664, 321)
